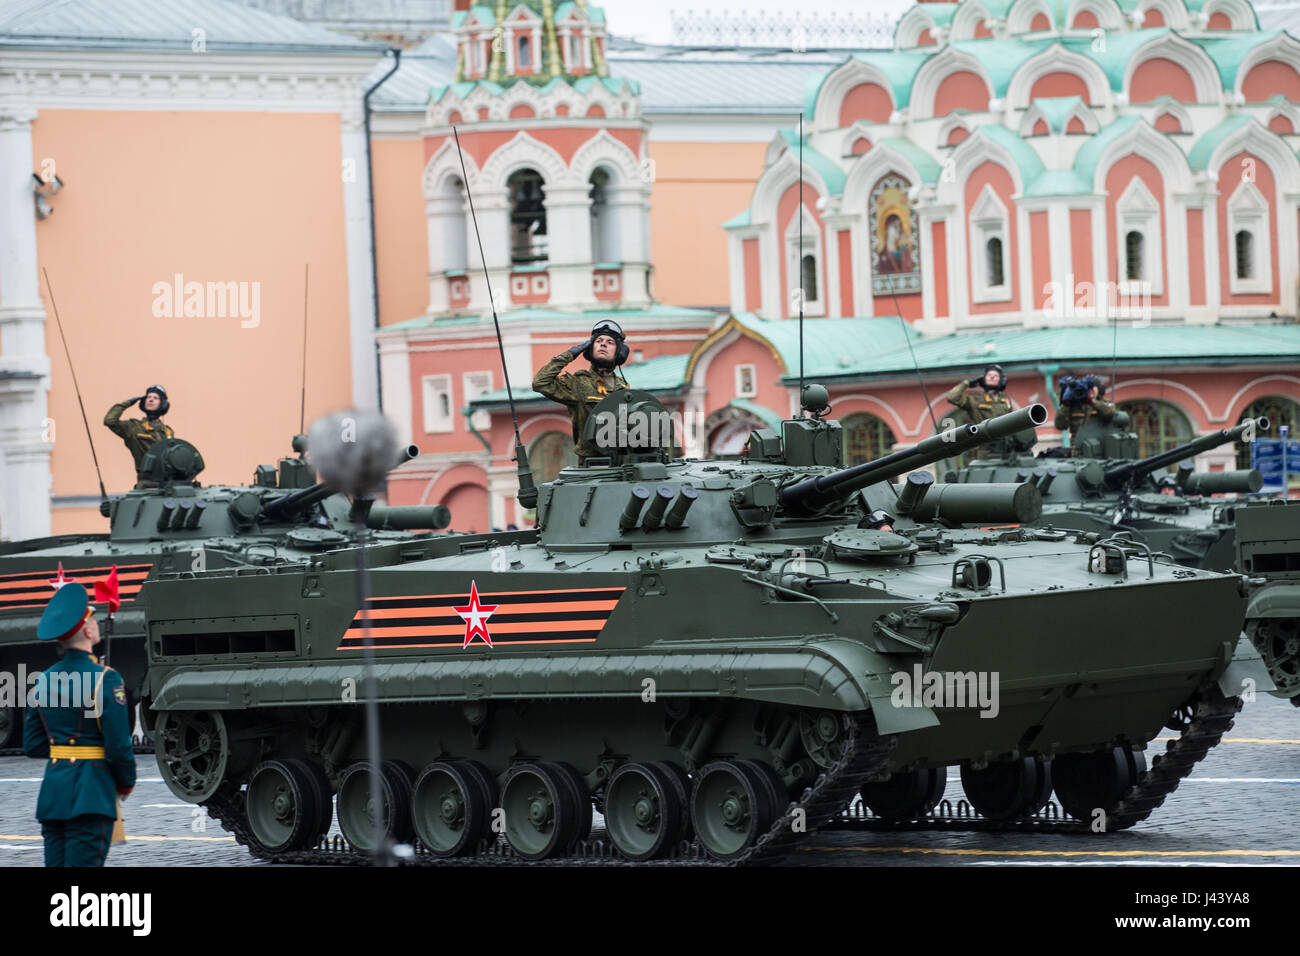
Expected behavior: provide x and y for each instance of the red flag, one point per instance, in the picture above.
(106, 591)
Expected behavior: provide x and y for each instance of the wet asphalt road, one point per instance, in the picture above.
(1237, 808)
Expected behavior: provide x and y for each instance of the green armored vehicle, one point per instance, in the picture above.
(721, 655)
(175, 525)
(1268, 553)
(1106, 488)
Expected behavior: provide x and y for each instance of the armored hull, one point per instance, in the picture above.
(715, 649)
(174, 526)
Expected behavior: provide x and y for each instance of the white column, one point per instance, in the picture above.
(395, 369)
(25, 479)
(359, 253)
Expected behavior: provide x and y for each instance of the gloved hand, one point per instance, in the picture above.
(138, 398)
(977, 382)
(577, 350)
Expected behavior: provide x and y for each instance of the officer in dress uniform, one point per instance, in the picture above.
(139, 434)
(91, 761)
(606, 349)
(983, 397)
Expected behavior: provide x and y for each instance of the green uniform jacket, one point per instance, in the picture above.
(1072, 417)
(73, 788)
(138, 433)
(979, 404)
(580, 391)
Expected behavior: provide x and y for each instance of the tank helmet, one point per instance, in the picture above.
(877, 519)
(1167, 481)
(613, 330)
(1002, 377)
(163, 403)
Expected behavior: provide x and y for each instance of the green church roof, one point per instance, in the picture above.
(1205, 146)
(1057, 109)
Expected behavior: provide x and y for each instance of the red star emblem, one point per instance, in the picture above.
(61, 580)
(475, 616)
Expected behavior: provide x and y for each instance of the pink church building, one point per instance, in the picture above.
(1112, 189)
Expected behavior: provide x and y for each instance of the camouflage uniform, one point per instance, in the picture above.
(1072, 417)
(580, 391)
(138, 433)
(979, 404)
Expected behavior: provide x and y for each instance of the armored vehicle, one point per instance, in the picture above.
(1106, 488)
(1268, 553)
(177, 525)
(721, 655)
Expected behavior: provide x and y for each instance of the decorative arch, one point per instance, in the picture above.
(604, 150)
(1020, 18)
(775, 180)
(858, 139)
(1270, 64)
(1170, 13)
(523, 151)
(1143, 139)
(860, 403)
(866, 101)
(1105, 14)
(977, 150)
(849, 75)
(1165, 384)
(954, 129)
(915, 28)
(702, 356)
(968, 23)
(443, 165)
(1057, 59)
(1279, 410)
(938, 68)
(1240, 15)
(866, 172)
(1253, 137)
(1183, 53)
(1079, 120)
(1251, 392)
(1284, 119)
(1176, 117)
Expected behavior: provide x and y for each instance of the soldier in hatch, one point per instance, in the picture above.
(606, 349)
(139, 434)
(983, 397)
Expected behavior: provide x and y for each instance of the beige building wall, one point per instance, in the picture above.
(697, 187)
(243, 197)
(401, 229)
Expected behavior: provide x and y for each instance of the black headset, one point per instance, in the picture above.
(163, 406)
(611, 328)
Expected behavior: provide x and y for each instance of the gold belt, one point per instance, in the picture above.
(75, 753)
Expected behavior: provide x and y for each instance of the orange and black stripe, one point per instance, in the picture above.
(567, 616)
(32, 589)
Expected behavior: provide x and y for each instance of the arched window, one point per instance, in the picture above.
(454, 249)
(528, 241)
(1133, 270)
(551, 452)
(1159, 425)
(1245, 254)
(809, 266)
(866, 438)
(602, 225)
(1279, 410)
(993, 262)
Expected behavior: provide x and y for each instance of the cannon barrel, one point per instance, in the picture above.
(408, 518)
(1240, 482)
(816, 494)
(281, 509)
(1119, 475)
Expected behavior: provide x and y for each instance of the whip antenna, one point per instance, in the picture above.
(800, 264)
(302, 407)
(103, 495)
(527, 490)
(920, 379)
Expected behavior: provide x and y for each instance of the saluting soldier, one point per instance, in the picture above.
(606, 349)
(139, 434)
(984, 396)
(91, 761)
